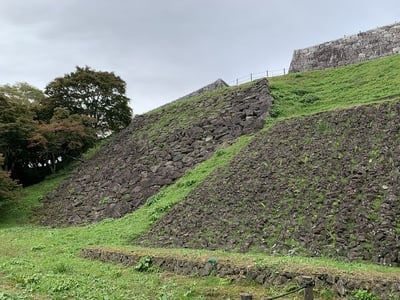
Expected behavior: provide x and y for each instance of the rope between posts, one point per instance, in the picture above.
(288, 293)
(254, 76)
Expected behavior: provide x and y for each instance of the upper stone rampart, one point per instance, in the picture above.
(351, 49)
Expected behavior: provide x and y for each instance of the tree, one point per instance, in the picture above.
(16, 128)
(96, 94)
(21, 93)
(32, 146)
(9, 189)
(64, 138)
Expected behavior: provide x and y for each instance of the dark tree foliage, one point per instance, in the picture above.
(63, 139)
(9, 189)
(98, 95)
(32, 149)
(16, 128)
(40, 133)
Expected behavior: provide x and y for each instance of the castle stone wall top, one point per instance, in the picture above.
(351, 49)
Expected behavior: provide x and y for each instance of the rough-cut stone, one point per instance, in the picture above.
(339, 288)
(153, 151)
(352, 49)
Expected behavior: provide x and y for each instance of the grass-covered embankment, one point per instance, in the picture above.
(308, 93)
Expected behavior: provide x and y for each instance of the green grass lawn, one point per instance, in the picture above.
(44, 263)
(316, 91)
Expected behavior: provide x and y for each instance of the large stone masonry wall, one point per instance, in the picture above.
(154, 151)
(351, 49)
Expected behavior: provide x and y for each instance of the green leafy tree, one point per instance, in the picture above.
(9, 189)
(98, 95)
(22, 93)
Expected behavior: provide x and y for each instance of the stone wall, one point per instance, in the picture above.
(341, 284)
(154, 151)
(322, 185)
(352, 49)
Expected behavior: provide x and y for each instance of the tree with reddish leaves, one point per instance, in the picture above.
(32, 149)
(16, 128)
(64, 138)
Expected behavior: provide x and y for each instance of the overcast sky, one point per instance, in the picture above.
(164, 49)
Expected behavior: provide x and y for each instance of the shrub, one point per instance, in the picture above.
(364, 295)
(9, 189)
(145, 264)
(300, 92)
(309, 98)
(275, 111)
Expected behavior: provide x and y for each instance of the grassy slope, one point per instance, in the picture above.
(363, 83)
(42, 263)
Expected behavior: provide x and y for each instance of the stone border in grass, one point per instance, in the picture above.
(341, 285)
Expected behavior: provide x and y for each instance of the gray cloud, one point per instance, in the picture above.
(165, 49)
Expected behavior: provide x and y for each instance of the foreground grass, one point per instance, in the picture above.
(18, 213)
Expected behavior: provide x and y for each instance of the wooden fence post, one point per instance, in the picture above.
(246, 296)
(308, 283)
